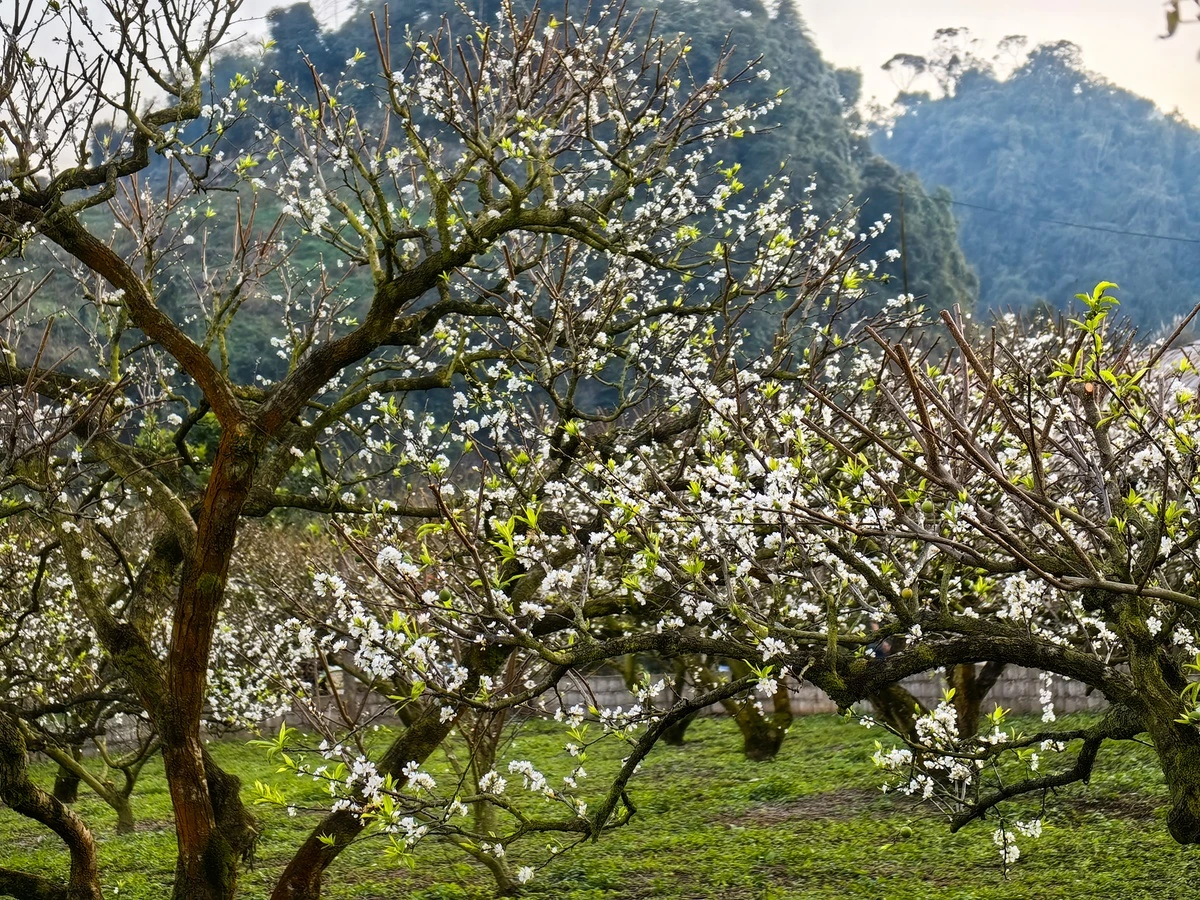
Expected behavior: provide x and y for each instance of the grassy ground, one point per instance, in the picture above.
(812, 824)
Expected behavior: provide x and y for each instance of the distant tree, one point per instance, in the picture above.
(905, 68)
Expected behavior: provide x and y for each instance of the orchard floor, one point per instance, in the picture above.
(812, 824)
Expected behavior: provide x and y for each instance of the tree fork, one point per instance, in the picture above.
(70, 764)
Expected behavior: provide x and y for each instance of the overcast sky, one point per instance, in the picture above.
(1119, 38)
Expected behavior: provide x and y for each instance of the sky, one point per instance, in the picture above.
(1120, 39)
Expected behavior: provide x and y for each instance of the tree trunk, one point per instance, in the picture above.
(506, 886)
(207, 864)
(213, 828)
(29, 887)
(898, 709)
(674, 733)
(966, 698)
(301, 880)
(760, 741)
(218, 831)
(66, 782)
(971, 687)
(1160, 683)
(20, 794)
(124, 813)
(484, 735)
(762, 735)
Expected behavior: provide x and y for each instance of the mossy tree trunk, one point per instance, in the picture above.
(19, 793)
(214, 831)
(1160, 682)
(971, 685)
(762, 732)
(483, 733)
(66, 780)
(301, 879)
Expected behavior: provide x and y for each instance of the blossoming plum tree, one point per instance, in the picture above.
(512, 281)
(55, 681)
(530, 218)
(1026, 497)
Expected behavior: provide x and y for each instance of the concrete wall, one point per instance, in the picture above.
(1017, 690)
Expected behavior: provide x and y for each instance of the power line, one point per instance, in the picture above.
(1062, 222)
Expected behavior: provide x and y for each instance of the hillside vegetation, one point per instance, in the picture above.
(1051, 144)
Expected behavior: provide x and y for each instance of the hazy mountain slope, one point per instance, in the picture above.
(1053, 142)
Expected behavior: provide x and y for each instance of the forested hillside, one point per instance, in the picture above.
(814, 132)
(1048, 145)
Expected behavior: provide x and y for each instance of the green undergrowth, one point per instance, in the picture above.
(812, 824)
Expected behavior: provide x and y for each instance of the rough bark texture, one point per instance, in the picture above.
(1177, 745)
(209, 872)
(20, 794)
(234, 821)
(29, 887)
(207, 865)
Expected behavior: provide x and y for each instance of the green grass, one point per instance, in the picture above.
(812, 824)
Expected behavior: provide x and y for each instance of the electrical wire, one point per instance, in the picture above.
(1063, 223)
